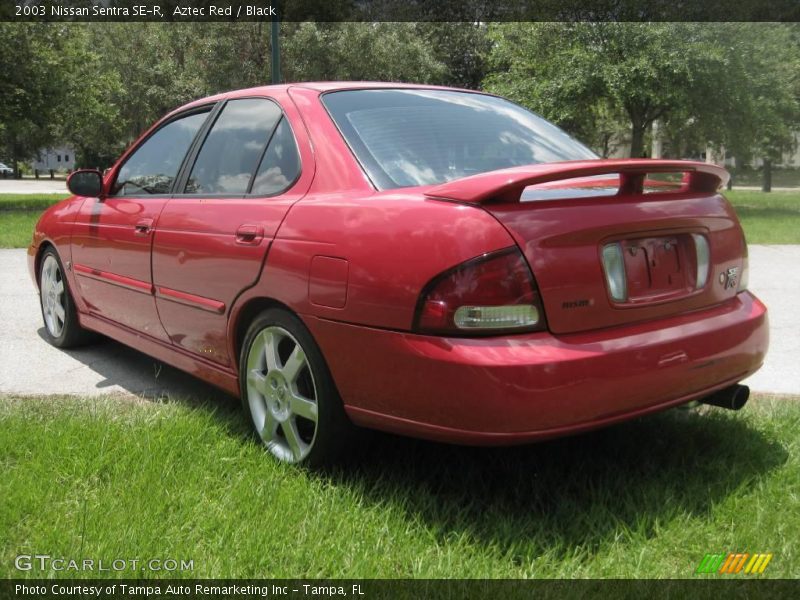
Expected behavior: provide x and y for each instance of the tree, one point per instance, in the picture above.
(760, 112)
(462, 48)
(158, 67)
(721, 82)
(359, 51)
(155, 65)
(88, 118)
(31, 92)
(544, 67)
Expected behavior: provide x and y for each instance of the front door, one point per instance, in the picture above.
(213, 236)
(112, 236)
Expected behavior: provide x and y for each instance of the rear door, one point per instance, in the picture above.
(213, 236)
(112, 236)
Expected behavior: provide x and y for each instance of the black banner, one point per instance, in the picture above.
(399, 10)
(416, 589)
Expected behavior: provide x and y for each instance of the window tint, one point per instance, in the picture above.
(419, 137)
(153, 167)
(281, 164)
(231, 152)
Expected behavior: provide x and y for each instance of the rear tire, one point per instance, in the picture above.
(61, 326)
(289, 395)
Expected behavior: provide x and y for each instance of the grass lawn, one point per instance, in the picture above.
(772, 218)
(18, 216)
(116, 477)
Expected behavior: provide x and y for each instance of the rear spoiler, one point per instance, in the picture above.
(507, 185)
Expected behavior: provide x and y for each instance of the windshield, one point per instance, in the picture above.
(405, 137)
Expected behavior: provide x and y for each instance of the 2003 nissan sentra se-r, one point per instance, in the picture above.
(427, 261)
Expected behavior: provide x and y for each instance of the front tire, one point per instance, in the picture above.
(61, 326)
(288, 392)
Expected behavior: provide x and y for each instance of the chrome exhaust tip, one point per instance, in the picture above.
(732, 398)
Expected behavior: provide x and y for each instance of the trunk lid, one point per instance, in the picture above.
(576, 222)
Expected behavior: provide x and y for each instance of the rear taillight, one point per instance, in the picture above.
(703, 260)
(494, 293)
(614, 268)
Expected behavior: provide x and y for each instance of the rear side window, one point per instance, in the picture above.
(233, 148)
(281, 164)
(153, 166)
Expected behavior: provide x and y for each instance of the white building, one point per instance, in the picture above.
(61, 158)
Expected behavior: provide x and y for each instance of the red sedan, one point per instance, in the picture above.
(428, 261)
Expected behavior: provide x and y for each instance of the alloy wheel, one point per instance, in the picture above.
(282, 394)
(53, 297)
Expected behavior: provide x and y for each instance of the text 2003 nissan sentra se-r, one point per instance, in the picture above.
(428, 261)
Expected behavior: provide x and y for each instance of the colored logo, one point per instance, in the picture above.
(733, 563)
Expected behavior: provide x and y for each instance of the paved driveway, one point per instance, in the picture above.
(33, 186)
(29, 365)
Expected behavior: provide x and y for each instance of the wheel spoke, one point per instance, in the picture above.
(270, 349)
(303, 407)
(60, 287)
(293, 438)
(257, 381)
(269, 428)
(59, 310)
(294, 364)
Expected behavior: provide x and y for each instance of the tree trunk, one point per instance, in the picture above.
(766, 184)
(637, 140)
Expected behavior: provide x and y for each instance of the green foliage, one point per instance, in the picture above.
(31, 86)
(57, 91)
(99, 86)
(359, 51)
(162, 67)
(734, 84)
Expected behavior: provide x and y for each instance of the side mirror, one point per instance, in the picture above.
(85, 182)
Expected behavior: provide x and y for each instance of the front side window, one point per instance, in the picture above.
(405, 137)
(152, 168)
(233, 148)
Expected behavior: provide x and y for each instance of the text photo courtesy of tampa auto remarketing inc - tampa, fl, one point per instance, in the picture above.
(378, 299)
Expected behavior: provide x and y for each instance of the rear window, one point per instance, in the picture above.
(406, 137)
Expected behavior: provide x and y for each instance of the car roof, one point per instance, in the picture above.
(320, 86)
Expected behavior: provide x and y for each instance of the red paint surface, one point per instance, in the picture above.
(327, 285)
(352, 261)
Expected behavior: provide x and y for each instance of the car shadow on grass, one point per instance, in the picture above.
(573, 493)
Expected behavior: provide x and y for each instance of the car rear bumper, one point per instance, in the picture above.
(515, 389)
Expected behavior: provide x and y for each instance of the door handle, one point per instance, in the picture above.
(143, 227)
(249, 234)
